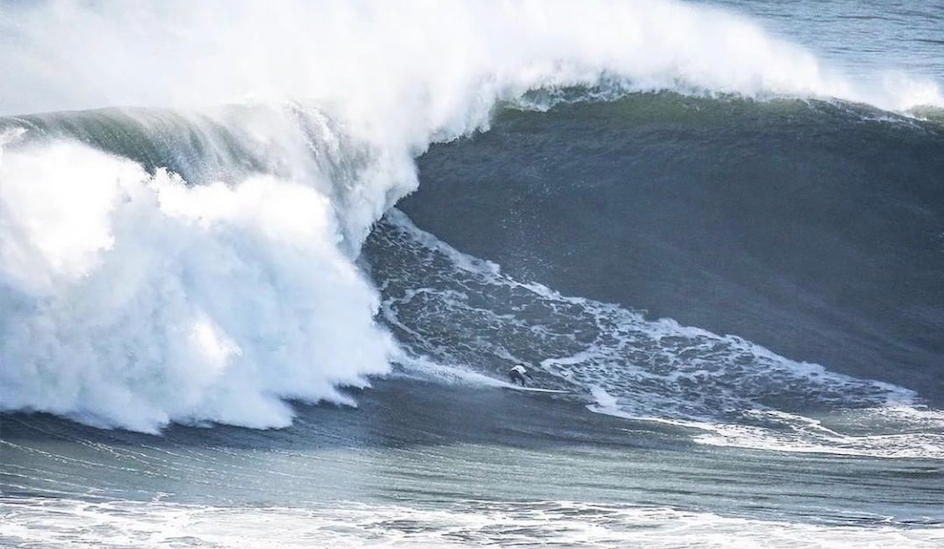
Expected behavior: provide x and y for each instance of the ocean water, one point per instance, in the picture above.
(265, 268)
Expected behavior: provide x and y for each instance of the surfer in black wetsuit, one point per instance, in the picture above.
(518, 375)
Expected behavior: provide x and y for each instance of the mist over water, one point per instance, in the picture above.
(400, 69)
(897, 36)
(718, 231)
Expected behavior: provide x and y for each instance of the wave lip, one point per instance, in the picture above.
(413, 71)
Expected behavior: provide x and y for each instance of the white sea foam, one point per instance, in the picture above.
(134, 300)
(70, 523)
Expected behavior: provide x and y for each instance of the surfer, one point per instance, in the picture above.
(518, 374)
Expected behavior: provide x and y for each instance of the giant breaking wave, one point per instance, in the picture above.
(192, 259)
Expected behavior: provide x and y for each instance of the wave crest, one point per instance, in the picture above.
(409, 70)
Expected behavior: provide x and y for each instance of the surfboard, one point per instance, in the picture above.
(536, 390)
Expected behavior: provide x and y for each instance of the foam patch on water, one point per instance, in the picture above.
(727, 390)
(69, 523)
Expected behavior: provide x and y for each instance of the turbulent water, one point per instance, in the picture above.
(264, 270)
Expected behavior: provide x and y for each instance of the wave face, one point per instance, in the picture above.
(456, 314)
(813, 229)
(179, 260)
